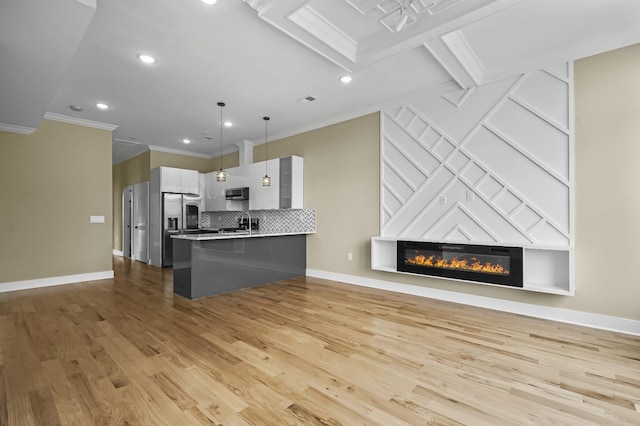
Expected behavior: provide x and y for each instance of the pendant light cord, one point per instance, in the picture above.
(221, 105)
(266, 180)
(266, 144)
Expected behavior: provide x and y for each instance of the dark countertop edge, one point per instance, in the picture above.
(227, 236)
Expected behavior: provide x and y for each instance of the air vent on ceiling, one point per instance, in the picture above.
(125, 143)
(307, 99)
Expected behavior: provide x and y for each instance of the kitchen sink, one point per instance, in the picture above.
(233, 231)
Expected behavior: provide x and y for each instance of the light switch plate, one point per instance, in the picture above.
(96, 219)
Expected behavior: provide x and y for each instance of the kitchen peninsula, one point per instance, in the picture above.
(208, 264)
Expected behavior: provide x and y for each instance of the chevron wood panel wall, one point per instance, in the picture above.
(490, 164)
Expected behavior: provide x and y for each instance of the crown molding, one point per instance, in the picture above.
(16, 129)
(90, 3)
(407, 98)
(80, 121)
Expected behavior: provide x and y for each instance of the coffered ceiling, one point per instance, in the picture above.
(262, 56)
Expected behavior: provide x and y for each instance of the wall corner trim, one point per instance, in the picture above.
(80, 121)
(603, 322)
(118, 253)
(52, 281)
(12, 128)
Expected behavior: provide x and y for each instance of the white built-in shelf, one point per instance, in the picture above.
(545, 269)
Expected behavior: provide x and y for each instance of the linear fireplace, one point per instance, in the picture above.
(470, 262)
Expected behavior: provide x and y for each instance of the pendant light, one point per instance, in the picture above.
(266, 180)
(221, 175)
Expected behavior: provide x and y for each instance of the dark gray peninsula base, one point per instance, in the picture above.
(207, 267)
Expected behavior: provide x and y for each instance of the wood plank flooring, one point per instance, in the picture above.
(303, 351)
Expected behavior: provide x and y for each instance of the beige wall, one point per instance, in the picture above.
(164, 159)
(342, 184)
(52, 181)
(341, 181)
(607, 107)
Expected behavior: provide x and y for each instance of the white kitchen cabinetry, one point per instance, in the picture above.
(169, 179)
(214, 199)
(180, 181)
(264, 197)
(286, 190)
(214, 193)
(189, 181)
(201, 184)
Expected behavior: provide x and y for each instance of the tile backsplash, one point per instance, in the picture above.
(285, 220)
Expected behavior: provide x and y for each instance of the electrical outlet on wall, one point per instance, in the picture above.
(443, 199)
(350, 256)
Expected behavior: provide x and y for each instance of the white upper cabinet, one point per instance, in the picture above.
(170, 180)
(286, 190)
(214, 193)
(264, 197)
(214, 200)
(291, 182)
(180, 181)
(189, 181)
(201, 184)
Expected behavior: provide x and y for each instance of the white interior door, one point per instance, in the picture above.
(127, 230)
(140, 222)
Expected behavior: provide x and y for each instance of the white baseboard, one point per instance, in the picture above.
(48, 282)
(118, 253)
(604, 322)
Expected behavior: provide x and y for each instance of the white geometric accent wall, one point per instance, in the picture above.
(491, 164)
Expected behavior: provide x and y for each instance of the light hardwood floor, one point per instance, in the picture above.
(303, 351)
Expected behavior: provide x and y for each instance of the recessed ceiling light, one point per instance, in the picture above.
(209, 1)
(186, 140)
(147, 59)
(346, 79)
(101, 105)
(227, 124)
(75, 108)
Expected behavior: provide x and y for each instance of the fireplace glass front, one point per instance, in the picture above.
(470, 262)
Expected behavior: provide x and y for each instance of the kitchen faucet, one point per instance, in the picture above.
(249, 223)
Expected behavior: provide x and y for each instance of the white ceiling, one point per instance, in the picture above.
(262, 56)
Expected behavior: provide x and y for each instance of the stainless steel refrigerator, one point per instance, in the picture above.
(180, 215)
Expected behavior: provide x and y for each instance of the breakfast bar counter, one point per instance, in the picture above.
(208, 264)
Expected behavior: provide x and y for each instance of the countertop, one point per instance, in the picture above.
(232, 235)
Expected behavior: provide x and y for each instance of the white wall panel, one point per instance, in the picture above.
(489, 164)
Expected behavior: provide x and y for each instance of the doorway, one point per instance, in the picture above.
(135, 218)
(140, 221)
(127, 213)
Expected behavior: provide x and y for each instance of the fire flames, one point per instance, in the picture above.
(472, 264)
